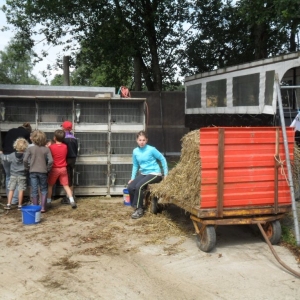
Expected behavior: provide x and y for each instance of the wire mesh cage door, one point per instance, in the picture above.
(92, 175)
(92, 112)
(18, 111)
(127, 112)
(122, 143)
(92, 143)
(50, 112)
(120, 174)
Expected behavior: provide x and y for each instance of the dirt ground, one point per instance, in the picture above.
(99, 252)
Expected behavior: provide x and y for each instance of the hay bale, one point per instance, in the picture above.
(183, 181)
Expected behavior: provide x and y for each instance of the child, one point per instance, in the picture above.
(38, 160)
(72, 145)
(11, 136)
(17, 171)
(59, 170)
(145, 159)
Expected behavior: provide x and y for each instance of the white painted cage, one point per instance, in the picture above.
(106, 129)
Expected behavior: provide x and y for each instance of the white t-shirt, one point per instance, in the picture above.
(296, 122)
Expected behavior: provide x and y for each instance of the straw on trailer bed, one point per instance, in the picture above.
(183, 181)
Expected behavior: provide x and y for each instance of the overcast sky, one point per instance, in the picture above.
(50, 59)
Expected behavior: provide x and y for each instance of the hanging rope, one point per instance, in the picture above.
(281, 165)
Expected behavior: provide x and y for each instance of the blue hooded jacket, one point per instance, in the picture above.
(146, 159)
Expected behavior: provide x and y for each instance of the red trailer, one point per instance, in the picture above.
(243, 181)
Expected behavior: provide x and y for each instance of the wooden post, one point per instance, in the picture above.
(137, 74)
(66, 70)
(220, 184)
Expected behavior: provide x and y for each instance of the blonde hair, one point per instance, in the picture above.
(20, 145)
(39, 138)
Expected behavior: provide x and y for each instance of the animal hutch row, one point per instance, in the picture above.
(104, 124)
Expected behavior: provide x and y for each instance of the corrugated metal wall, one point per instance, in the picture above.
(241, 166)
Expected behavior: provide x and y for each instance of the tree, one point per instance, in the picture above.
(288, 13)
(88, 71)
(264, 27)
(16, 64)
(228, 34)
(57, 80)
(145, 43)
(144, 34)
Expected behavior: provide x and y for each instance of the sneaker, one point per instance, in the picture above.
(138, 213)
(19, 207)
(8, 206)
(65, 200)
(74, 205)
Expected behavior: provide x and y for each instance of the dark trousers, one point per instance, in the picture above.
(70, 169)
(138, 187)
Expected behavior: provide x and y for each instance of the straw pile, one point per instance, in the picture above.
(183, 181)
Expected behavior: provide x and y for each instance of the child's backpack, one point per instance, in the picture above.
(124, 92)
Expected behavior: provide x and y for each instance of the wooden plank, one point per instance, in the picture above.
(220, 182)
(248, 176)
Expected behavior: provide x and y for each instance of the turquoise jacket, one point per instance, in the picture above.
(146, 160)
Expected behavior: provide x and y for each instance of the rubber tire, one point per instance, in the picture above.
(154, 205)
(147, 199)
(273, 231)
(207, 241)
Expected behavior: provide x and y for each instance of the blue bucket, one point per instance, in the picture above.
(31, 214)
(126, 197)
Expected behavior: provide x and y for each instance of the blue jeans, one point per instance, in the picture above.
(38, 180)
(6, 166)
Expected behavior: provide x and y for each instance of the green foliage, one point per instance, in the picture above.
(101, 73)
(228, 34)
(57, 80)
(114, 32)
(119, 42)
(16, 64)
(288, 236)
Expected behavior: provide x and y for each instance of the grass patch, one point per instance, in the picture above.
(288, 236)
(288, 240)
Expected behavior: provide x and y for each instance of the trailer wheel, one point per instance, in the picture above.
(154, 205)
(273, 231)
(147, 199)
(206, 238)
